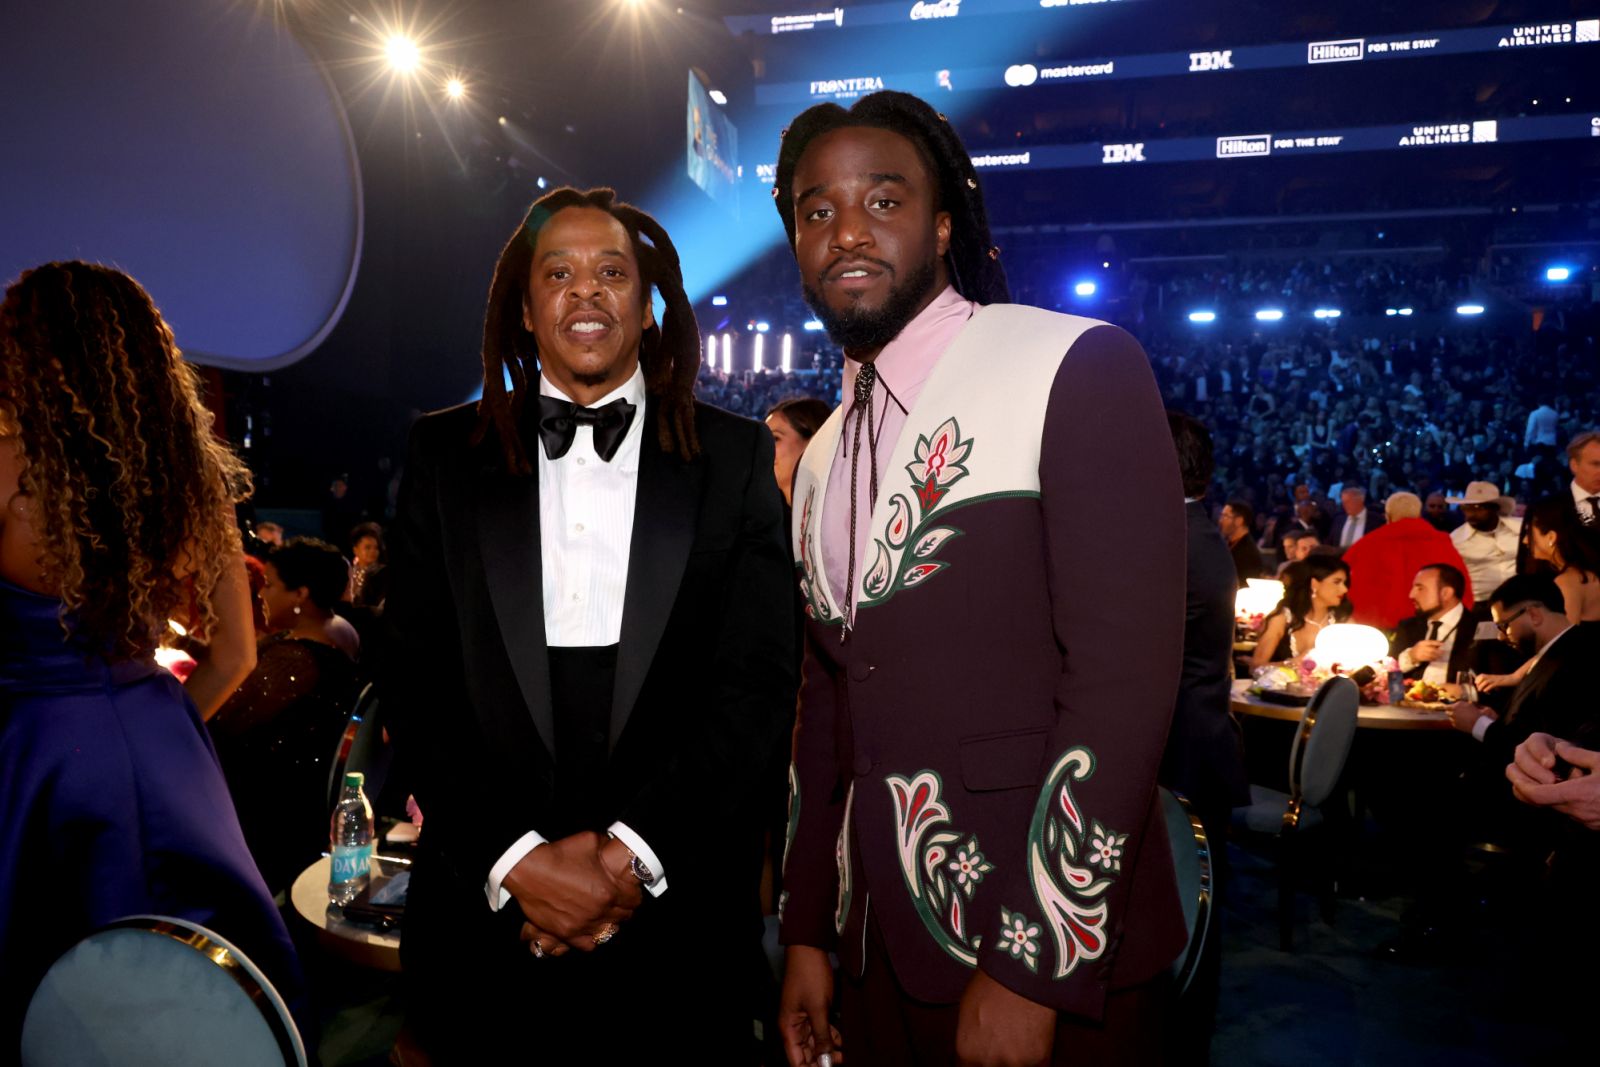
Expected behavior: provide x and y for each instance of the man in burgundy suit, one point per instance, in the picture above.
(985, 696)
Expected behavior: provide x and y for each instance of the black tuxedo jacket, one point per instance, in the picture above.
(705, 677)
(1557, 697)
(1204, 759)
(1415, 629)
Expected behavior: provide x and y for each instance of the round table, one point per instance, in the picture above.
(1368, 716)
(361, 945)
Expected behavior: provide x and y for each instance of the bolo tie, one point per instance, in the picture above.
(866, 380)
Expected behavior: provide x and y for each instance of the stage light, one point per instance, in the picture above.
(1106, 265)
(540, 182)
(788, 352)
(1085, 288)
(727, 353)
(761, 348)
(813, 325)
(1391, 312)
(719, 301)
(1405, 311)
(763, 327)
(402, 53)
(717, 96)
(1469, 309)
(455, 88)
(1202, 316)
(1557, 274)
(501, 120)
(1326, 313)
(1269, 315)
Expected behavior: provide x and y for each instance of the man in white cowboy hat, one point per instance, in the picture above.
(1487, 541)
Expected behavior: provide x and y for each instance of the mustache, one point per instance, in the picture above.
(827, 272)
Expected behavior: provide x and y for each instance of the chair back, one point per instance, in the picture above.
(360, 748)
(1322, 743)
(1191, 861)
(158, 991)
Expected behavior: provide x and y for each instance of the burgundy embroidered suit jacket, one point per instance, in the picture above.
(976, 765)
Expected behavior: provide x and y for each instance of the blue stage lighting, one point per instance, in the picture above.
(1085, 288)
(1391, 312)
(1269, 315)
(1405, 311)
(1326, 313)
(1202, 316)
(1557, 274)
(1469, 309)
(763, 327)
(813, 325)
(719, 301)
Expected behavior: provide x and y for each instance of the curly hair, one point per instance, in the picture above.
(131, 494)
(669, 352)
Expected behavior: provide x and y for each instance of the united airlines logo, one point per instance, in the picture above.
(1537, 34)
(1211, 60)
(1122, 153)
(1253, 144)
(1347, 51)
(939, 9)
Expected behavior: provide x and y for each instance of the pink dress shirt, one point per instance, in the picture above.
(903, 368)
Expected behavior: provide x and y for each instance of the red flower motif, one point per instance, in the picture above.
(929, 494)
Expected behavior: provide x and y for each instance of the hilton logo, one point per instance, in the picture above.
(1211, 60)
(1122, 153)
(1253, 144)
(1336, 51)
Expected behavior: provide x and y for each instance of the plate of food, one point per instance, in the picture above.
(1426, 696)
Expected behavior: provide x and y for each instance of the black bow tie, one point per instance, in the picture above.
(559, 421)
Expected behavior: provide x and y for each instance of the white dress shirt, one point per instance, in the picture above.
(586, 531)
(1437, 672)
(1541, 428)
(1580, 500)
(1490, 557)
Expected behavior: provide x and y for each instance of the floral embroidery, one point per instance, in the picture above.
(1020, 938)
(926, 863)
(938, 464)
(811, 590)
(1106, 848)
(1062, 849)
(969, 866)
(794, 814)
(841, 856)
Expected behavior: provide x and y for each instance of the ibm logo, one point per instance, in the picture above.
(1211, 60)
(1123, 153)
(1336, 51)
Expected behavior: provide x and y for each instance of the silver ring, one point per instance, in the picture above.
(538, 949)
(606, 933)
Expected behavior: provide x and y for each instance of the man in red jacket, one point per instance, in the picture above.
(1383, 563)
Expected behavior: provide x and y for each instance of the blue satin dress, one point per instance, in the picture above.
(111, 804)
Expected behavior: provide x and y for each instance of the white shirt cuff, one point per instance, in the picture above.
(498, 897)
(1407, 661)
(625, 834)
(1481, 727)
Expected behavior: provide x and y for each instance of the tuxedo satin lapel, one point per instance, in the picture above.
(508, 534)
(663, 532)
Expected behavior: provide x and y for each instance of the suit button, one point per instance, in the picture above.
(863, 765)
(859, 672)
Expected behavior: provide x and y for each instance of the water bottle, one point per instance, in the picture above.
(350, 841)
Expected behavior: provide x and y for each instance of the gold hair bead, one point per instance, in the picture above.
(942, 118)
(972, 183)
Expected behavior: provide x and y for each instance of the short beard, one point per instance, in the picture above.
(858, 329)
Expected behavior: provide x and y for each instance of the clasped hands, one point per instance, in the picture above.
(574, 893)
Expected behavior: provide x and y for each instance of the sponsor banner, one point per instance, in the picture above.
(1347, 51)
(888, 13)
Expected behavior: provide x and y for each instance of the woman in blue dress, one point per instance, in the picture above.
(116, 515)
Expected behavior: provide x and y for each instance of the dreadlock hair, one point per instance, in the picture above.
(669, 351)
(974, 258)
(132, 495)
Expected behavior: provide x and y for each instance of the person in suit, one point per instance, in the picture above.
(1583, 459)
(1436, 644)
(1237, 525)
(974, 822)
(589, 656)
(1355, 520)
(1204, 757)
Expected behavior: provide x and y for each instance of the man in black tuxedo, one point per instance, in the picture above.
(590, 656)
(1436, 643)
(1204, 757)
(1583, 459)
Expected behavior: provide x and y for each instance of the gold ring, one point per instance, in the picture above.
(606, 933)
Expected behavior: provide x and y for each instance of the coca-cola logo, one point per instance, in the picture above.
(939, 9)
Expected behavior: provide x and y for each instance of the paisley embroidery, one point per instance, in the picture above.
(941, 885)
(841, 856)
(940, 462)
(1062, 849)
(811, 590)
